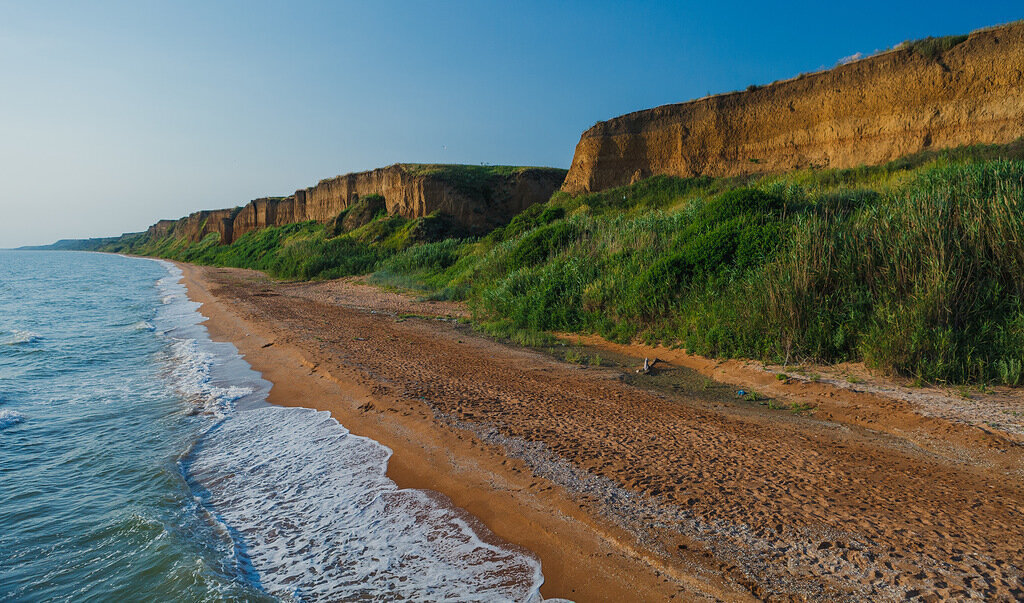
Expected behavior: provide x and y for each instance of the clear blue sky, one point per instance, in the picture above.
(116, 114)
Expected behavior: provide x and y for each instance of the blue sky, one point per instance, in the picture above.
(116, 114)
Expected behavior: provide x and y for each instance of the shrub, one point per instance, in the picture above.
(542, 298)
(739, 202)
(660, 285)
(528, 219)
(430, 256)
(364, 210)
(539, 244)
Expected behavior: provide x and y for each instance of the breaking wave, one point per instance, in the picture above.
(9, 418)
(308, 505)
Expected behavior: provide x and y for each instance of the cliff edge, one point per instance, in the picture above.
(867, 112)
(478, 198)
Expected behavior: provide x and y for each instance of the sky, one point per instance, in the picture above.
(116, 114)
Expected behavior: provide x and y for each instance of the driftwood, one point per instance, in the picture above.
(648, 365)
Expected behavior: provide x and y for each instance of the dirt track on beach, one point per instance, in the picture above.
(628, 493)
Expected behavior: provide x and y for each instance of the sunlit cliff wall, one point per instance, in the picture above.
(867, 112)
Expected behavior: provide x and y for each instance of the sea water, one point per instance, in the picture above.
(140, 461)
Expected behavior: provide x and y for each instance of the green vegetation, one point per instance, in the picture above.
(360, 213)
(472, 180)
(915, 267)
(76, 244)
(933, 48)
(305, 250)
(798, 408)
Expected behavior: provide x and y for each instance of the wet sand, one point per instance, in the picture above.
(630, 489)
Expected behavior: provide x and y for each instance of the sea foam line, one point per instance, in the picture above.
(310, 508)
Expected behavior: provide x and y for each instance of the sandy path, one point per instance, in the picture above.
(624, 493)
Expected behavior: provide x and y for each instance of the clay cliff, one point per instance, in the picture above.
(867, 112)
(197, 225)
(477, 198)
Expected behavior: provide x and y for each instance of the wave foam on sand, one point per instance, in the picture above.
(308, 505)
(319, 517)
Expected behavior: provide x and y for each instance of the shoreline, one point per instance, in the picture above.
(626, 491)
(582, 557)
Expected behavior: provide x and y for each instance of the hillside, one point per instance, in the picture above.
(78, 244)
(930, 94)
(912, 267)
(475, 198)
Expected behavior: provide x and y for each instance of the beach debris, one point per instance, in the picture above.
(267, 345)
(741, 393)
(648, 365)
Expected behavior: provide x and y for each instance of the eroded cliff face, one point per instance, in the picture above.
(261, 213)
(867, 112)
(195, 226)
(414, 191)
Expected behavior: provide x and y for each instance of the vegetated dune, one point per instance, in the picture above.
(478, 198)
(930, 94)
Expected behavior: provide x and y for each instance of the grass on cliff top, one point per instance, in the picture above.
(914, 267)
(474, 180)
(933, 48)
(460, 170)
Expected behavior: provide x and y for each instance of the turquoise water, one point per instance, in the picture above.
(138, 461)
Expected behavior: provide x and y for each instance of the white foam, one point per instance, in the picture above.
(318, 518)
(9, 418)
(308, 505)
(191, 376)
(18, 336)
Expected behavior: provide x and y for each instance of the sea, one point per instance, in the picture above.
(140, 461)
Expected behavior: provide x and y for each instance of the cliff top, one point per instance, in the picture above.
(930, 48)
(456, 172)
(432, 169)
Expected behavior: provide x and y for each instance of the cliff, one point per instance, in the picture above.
(867, 112)
(196, 226)
(478, 198)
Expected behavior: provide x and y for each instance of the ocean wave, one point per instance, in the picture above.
(143, 325)
(17, 337)
(308, 507)
(191, 376)
(9, 418)
(319, 519)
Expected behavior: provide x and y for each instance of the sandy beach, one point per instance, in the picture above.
(634, 487)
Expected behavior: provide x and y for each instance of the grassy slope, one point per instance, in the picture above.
(916, 266)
